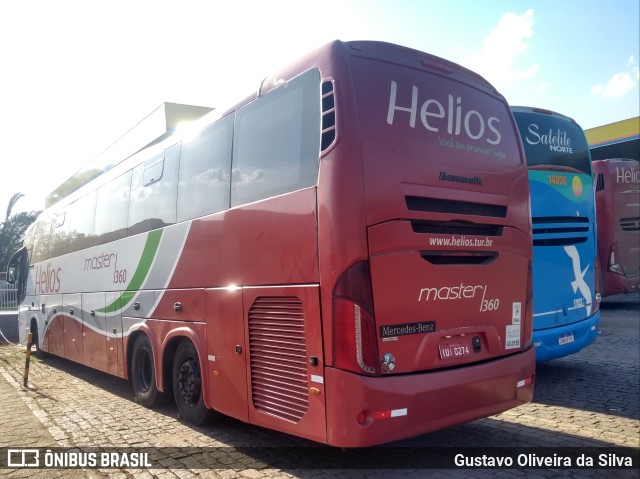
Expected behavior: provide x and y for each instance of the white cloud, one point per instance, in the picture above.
(631, 62)
(543, 87)
(620, 83)
(503, 47)
(596, 90)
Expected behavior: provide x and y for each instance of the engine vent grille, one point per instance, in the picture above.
(278, 357)
(328, 115)
(437, 205)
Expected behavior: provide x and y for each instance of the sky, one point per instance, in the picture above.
(76, 75)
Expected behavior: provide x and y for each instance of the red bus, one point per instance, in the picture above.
(617, 189)
(344, 256)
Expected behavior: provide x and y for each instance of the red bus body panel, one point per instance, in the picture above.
(618, 221)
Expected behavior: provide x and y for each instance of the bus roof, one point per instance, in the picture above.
(155, 127)
(530, 109)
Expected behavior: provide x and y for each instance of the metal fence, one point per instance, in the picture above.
(8, 297)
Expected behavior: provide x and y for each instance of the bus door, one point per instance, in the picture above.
(94, 331)
(72, 315)
(51, 307)
(114, 337)
(285, 359)
(227, 369)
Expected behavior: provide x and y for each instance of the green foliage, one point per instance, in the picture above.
(12, 230)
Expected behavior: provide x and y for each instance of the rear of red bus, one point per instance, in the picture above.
(424, 246)
(617, 185)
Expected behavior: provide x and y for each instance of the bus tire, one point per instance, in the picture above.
(35, 340)
(187, 385)
(143, 373)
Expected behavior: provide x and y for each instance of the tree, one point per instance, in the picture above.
(12, 230)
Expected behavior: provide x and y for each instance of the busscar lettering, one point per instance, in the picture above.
(453, 118)
(472, 180)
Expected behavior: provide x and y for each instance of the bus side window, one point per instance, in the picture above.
(59, 234)
(42, 237)
(277, 141)
(81, 222)
(153, 192)
(205, 171)
(112, 208)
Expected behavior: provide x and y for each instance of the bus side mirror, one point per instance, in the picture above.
(12, 274)
(17, 272)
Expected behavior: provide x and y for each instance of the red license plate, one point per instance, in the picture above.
(454, 350)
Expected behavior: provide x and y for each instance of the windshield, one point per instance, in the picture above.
(431, 122)
(553, 142)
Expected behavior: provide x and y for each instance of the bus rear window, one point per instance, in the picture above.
(426, 118)
(553, 141)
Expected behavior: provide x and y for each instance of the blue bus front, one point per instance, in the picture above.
(565, 270)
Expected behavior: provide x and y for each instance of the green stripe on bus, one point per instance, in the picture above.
(148, 254)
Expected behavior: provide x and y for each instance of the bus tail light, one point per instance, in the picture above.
(528, 309)
(613, 265)
(355, 344)
(597, 297)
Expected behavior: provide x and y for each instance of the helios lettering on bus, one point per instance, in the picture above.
(47, 280)
(558, 141)
(627, 176)
(453, 118)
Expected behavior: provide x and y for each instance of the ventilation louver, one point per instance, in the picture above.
(278, 357)
(328, 115)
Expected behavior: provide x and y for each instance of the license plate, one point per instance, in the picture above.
(565, 339)
(454, 350)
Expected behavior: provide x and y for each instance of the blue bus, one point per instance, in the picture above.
(566, 276)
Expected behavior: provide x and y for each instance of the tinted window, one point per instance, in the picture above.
(81, 220)
(112, 209)
(205, 171)
(59, 234)
(277, 141)
(153, 192)
(42, 237)
(552, 141)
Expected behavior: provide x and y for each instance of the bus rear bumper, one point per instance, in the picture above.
(618, 284)
(364, 411)
(554, 343)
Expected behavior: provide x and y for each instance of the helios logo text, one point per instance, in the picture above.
(445, 115)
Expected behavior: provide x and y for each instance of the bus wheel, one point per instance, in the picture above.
(143, 373)
(35, 340)
(187, 385)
